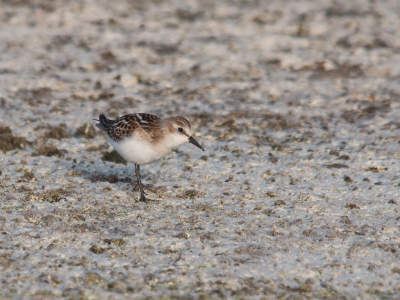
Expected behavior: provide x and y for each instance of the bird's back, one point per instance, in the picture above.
(125, 126)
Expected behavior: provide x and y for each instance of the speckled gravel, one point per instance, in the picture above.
(297, 195)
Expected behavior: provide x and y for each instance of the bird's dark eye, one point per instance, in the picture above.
(180, 129)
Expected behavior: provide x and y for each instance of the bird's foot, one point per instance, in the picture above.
(146, 200)
(143, 198)
(135, 189)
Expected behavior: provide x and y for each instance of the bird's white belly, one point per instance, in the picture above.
(138, 151)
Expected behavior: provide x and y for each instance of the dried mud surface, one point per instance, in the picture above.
(296, 103)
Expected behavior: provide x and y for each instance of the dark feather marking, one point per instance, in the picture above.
(125, 126)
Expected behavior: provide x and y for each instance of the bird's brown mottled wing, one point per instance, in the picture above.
(126, 125)
(150, 124)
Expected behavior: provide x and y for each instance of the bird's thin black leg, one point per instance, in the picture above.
(137, 171)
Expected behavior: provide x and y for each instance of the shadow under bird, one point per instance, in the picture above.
(143, 138)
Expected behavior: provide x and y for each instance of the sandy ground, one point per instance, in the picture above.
(296, 196)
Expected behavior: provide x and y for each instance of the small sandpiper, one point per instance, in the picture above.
(143, 138)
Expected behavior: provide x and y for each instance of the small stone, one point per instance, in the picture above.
(108, 55)
(296, 222)
(396, 270)
(204, 157)
(115, 242)
(28, 176)
(86, 131)
(344, 157)
(117, 286)
(310, 281)
(183, 235)
(347, 179)
(49, 150)
(59, 132)
(204, 207)
(96, 249)
(279, 202)
(345, 220)
(93, 278)
(273, 159)
(73, 293)
(189, 16)
(276, 233)
(306, 288)
(114, 157)
(187, 169)
(337, 166)
(352, 206)
(98, 85)
(165, 49)
(191, 194)
(334, 153)
(10, 142)
(107, 189)
(309, 232)
(5, 130)
(230, 178)
(376, 169)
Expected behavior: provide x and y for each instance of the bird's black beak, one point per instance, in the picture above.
(194, 142)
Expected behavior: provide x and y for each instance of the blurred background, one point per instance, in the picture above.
(75, 59)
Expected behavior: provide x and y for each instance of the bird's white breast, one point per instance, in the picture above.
(139, 151)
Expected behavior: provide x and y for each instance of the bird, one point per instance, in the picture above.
(142, 138)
